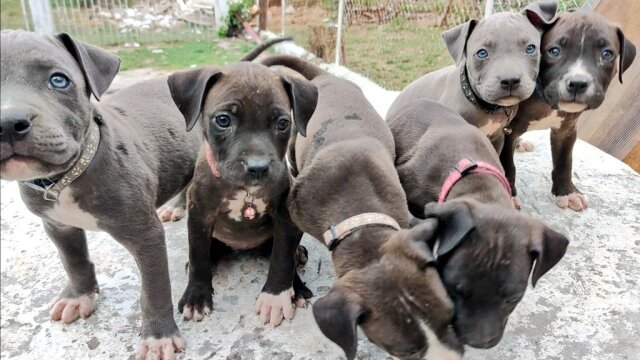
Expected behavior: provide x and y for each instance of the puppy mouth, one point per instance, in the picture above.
(18, 167)
(508, 100)
(572, 107)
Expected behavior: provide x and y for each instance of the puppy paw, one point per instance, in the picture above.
(302, 256)
(517, 203)
(67, 309)
(170, 213)
(273, 308)
(196, 302)
(160, 349)
(524, 146)
(574, 201)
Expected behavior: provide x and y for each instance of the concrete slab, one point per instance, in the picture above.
(585, 308)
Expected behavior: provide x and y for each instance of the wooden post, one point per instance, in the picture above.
(339, 47)
(41, 16)
(264, 6)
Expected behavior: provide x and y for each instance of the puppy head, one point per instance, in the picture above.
(246, 111)
(579, 60)
(398, 301)
(485, 256)
(501, 52)
(46, 110)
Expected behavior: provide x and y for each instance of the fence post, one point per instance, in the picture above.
(41, 16)
(488, 8)
(264, 7)
(340, 25)
(24, 16)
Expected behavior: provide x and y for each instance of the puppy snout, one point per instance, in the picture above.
(485, 343)
(15, 124)
(577, 84)
(510, 82)
(257, 167)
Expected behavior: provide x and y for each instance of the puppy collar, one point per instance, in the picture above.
(213, 165)
(483, 105)
(51, 189)
(339, 232)
(468, 166)
(538, 91)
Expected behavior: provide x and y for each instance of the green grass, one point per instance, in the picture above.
(11, 14)
(182, 55)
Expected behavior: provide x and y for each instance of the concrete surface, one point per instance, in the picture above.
(587, 307)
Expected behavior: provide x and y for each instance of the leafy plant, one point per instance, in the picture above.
(239, 11)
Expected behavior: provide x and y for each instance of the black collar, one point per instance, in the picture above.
(476, 100)
(538, 91)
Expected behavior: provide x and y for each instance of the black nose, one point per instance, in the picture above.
(485, 343)
(257, 168)
(510, 82)
(577, 84)
(14, 124)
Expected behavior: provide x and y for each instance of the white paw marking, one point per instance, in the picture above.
(573, 201)
(66, 211)
(524, 146)
(69, 309)
(160, 349)
(437, 350)
(189, 313)
(273, 308)
(170, 213)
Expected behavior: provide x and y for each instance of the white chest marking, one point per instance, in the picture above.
(437, 350)
(551, 121)
(237, 202)
(67, 212)
(491, 127)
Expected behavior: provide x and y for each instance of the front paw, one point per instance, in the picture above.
(68, 309)
(171, 213)
(274, 308)
(196, 302)
(524, 146)
(160, 349)
(574, 201)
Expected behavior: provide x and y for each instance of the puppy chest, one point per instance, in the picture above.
(244, 205)
(66, 211)
(552, 121)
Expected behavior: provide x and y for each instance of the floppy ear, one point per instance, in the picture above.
(627, 53)
(189, 90)
(541, 14)
(454, 223)
(547, 249)
(98, 66)
(456, 39)
(303, 96)
(337, 315)
(420, 236)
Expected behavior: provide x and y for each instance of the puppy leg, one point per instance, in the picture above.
(175, 209)
(506, 159)
(146, 243)
(78, 299)
(197, 301)
(278, 297)
(567, 195)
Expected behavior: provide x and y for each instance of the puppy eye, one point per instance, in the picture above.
(482, 54)
(531, 49)
(514, 299)
(554, 51)
(223, 121)
(607, 54)
(283, 124)
(59, 81)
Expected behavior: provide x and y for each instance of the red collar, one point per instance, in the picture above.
(213, 165)
(468, 166)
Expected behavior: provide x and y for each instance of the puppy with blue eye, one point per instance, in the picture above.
(236, 199)
(496, 65)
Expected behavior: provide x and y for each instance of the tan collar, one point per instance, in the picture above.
(51, 189)
(337, 233)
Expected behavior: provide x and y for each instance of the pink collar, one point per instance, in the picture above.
(213, 165)
(468, 166)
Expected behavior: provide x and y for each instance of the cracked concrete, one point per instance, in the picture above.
(585, 308)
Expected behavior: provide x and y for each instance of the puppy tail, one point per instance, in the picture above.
(251, 55)
(305, 68)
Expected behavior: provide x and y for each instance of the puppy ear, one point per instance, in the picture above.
(303, 96)
(421, 236)
(337, 314)
(189, 90)
(627, 53)
(98, 66)
(455, 222)
(547, 248)
(456, 39)
(541, 14)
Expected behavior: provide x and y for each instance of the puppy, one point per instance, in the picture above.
(347, 192)
(485, 249)
(237, 197)
(578, 64)
(496, 65)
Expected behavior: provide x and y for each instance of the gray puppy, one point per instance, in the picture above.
(496, 65)
(486, 249)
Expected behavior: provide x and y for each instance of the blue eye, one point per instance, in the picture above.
(223, 121)
(59, 81)
(482, 54)
(554, 51)
(283, 124)
(607, 54)
(531, 49)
